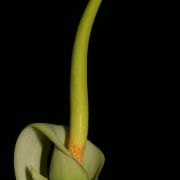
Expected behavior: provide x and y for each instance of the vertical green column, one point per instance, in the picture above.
(79, 90)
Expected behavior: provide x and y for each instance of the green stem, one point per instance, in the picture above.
(78, 91)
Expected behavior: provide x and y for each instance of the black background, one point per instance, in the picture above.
(37, 41)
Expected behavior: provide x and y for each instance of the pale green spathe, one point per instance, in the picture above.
(31, 153)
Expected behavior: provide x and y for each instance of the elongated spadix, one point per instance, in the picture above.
(78, 91)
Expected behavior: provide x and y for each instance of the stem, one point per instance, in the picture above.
(78, 91)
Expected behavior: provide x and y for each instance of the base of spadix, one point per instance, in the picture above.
(76, 152)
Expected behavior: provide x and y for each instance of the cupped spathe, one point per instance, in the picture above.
(32, 151)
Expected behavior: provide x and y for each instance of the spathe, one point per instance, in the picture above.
(32, 149)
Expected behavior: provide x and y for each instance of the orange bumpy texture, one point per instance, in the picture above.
(77, 153)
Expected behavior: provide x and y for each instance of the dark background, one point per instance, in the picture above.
(37, 41)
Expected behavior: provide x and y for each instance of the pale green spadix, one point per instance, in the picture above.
(33, 144)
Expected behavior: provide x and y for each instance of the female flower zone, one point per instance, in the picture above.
(73, 157)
